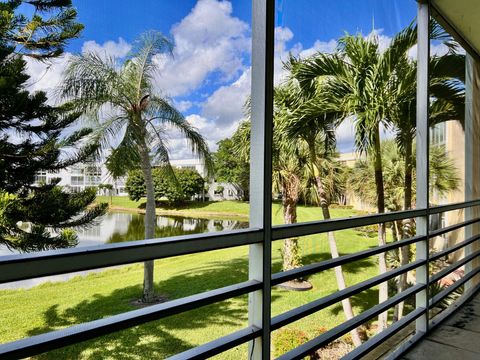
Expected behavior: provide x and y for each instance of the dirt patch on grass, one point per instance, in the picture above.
(140, 304)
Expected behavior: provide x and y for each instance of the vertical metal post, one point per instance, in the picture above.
(259, 303)
(422, 137)
(468, 157)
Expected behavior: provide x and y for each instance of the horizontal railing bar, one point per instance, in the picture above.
(453, 227)
(26, 266)
(314, 268)
(329, 336)
(89, 330)
(454, 248)
(321, 226)
(316, 227)
(377, 340)
(451, 268)
(220, 345)
(319, 304)
(442, 294)
(450, 207)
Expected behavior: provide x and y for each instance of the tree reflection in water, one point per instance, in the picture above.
(167, 227)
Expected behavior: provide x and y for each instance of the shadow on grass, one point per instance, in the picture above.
(161, 338)
(351, 268)
(174, 334)
(361, 302)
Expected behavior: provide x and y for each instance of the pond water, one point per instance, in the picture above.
(122, 226)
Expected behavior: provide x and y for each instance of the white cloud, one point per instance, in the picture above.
(212, 132)
(225, 105)
(46, 76)
(283, 35)
(208, 40)
(183, 105)
(118, 49)
(319, 46)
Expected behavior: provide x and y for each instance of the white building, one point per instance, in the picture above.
(81, 176)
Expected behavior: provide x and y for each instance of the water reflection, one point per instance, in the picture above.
(119, 227)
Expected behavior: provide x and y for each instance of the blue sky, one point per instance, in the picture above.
(209, 76)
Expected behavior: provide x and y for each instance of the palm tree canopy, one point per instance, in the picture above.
(443, 175)
(124, 99)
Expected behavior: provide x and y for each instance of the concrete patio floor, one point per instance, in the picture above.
(458, 337)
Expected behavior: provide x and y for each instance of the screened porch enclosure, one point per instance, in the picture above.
(445, 241)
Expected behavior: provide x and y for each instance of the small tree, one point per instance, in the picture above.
(186, 184)
(190, 182)
(230, 168)
(38, 144)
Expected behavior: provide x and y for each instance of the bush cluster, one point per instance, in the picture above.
(182, 185)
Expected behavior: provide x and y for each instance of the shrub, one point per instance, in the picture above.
(186, 184)
(369, 230)
(287, 339)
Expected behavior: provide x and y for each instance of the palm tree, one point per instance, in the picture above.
(361, 82)
(447, 77)
(287, 166)
(123, 101)
(311, 122)
(288, 162)
(355, 77)
(443, 178)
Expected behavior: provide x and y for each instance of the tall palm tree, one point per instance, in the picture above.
(355, 78)
(287, 165)
(362, 81)
(288, 162)
(311, 122)
(124, 102)
(447, 77)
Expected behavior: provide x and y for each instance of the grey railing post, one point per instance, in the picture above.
(259, 302)
(472, 157)
(423, 53)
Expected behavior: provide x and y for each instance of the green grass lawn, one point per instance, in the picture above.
(53, 306)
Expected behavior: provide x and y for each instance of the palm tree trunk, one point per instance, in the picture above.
(347, 306)
(382, 264)
(404, 251)
(148, 295)
(290, 251)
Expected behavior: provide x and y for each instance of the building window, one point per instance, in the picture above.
(438, 134)
(41, 177)
(92, 180)
(76, 180)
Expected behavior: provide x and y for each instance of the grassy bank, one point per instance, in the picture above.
(200, 209)
(56, 305)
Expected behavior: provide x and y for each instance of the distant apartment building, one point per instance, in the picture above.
(349, 159)
(83, 175)
(450, 135)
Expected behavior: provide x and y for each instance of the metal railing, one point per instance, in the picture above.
(19, 267)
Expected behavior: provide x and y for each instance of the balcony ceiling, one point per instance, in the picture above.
(464, 17)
